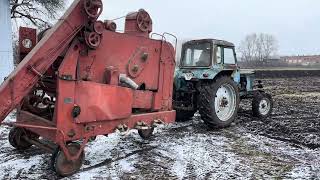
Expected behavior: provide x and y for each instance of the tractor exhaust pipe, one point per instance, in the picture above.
(128, 81)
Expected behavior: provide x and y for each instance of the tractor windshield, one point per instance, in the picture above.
(196, 54)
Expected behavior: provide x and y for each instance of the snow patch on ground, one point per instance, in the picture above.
(189, 150)
(100, 160)
(195, 154)
(190, 153)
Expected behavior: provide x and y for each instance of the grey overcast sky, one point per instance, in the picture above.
(295, 23)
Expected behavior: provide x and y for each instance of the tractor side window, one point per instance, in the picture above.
(228, 57)
(219, 55)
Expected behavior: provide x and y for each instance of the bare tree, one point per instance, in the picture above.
(247, 47)
(258, 47)
(269, 45)
(38, 12)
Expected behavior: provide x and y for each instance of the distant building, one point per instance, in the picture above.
(302, 60)
(6, 53)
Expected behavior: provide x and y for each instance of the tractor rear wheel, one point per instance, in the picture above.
(61, 165)
(262, 105)
(17, 138)
(219, 102)
(182, 115)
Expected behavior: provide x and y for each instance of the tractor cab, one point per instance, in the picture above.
(208, 53)
(209, 80)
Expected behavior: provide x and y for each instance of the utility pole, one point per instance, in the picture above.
(6, 52)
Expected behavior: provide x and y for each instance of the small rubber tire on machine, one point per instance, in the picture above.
(214, 106)
(64, 167)
(182, 115)
(262, 105)
(16, 138)
(146, 133)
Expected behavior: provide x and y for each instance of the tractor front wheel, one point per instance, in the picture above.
(62, 165)
(219, 102)
(262, 105)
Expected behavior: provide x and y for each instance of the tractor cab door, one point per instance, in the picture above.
(226, 57)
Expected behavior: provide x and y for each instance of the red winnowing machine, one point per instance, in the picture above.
(81, 79)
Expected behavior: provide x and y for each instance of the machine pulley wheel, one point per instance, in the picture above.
(93, 39)
(144, 21)
(62, 165)
(93, 8)
(17, 140)
(98, 27)
(146, 133)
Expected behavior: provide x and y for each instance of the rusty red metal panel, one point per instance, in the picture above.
(112, 76)
(37, 124)
(117, 50)
(27, 40)
(107, 127)
(25, 116)
(99, 102)
(66, 85)
(164, 94)
(148, 118)
(143, 99)
(138, 61)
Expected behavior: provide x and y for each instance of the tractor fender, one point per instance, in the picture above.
(235, 74)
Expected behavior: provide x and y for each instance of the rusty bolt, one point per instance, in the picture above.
(71, 133)
(135, 68)
(89, 128)
(144, 56)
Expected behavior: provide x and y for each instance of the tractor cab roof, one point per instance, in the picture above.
(215, 41)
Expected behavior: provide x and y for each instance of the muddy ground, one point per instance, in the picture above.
(284, 146)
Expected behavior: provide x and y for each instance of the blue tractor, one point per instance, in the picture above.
(209, 80)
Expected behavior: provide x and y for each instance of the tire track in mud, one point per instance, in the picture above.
(296, 115)
(110, 161)
(285, 133)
